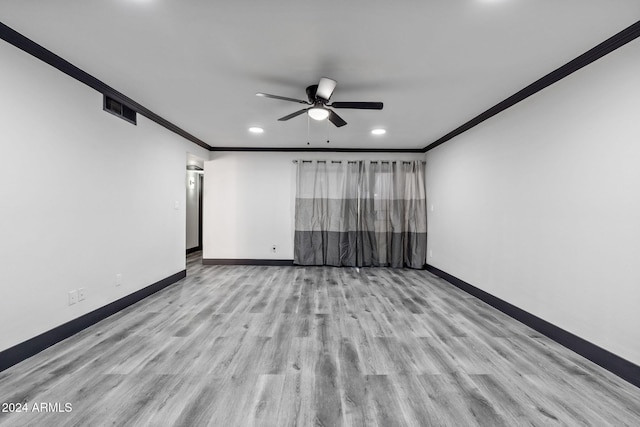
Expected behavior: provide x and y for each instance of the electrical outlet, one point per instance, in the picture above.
(118, 279)
(81, 294)
(73, 297)
(430, 253)
(273, 249)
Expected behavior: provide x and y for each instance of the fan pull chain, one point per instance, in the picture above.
(326, 131)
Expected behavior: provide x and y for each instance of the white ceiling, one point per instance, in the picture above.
(434, 63)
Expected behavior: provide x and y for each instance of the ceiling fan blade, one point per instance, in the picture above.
(358, 105)
(284, 98)
(325, 88)
(292, 115)
(336, 119)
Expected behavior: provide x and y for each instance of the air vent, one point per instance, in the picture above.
(117, 108)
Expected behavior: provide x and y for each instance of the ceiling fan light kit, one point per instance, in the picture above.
(318, 113)
(318, 97)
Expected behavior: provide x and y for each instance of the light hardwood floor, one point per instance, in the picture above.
(280, 346)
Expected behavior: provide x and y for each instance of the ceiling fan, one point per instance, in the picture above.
(318, 97)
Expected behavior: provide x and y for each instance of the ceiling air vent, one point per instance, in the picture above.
(117, 108)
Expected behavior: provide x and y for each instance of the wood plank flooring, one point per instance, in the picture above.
(313, 346)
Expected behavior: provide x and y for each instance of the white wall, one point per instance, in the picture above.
(540, 205)
(192, 209)
(84, 195)
(249, 201)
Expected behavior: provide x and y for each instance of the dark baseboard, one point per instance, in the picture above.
(623, 368)
(228, 261)
(192, 250)
(33, 346)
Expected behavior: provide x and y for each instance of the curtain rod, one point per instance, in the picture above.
(356, 161)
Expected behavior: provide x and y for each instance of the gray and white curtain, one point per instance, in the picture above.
(362, 213)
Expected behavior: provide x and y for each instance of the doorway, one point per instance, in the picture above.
(193, 204)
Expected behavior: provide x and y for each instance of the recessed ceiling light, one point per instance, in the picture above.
(256, 130)
(378, 131)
